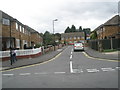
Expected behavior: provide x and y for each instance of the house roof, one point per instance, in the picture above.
(98, 28)
(113, 21)
(74, 34)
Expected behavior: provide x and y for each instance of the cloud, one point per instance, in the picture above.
(39, 14)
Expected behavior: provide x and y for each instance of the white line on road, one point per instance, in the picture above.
(71, 69)
(59, 72)
(7, 74)
(77, 71)
(71, 52)
(70, 56)
(107, 69)
(117, 67)
(92, 70)
(24, 73)
(41, 73)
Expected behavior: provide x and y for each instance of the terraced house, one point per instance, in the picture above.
(72, 37)
(15, 34)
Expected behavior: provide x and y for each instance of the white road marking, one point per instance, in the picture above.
(118, 68)
(77, 71)
(71, 69)
(70, 56)
(41, 73)
(59, 72)
(7, 74)
(71, 52)
(92, 70)
(107, 69)
(24, 73)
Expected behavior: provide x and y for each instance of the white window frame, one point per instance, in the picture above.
(23, 29)
(74, 37)
(16, 26)
(17, 43)
(5, 21)
(20, 28)
(78, 37)
(62, 38)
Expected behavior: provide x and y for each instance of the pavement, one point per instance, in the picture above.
(97, 54)
(29, 61)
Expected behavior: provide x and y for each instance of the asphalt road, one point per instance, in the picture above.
(69, 69)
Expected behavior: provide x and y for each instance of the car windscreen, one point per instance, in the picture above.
(78, 44)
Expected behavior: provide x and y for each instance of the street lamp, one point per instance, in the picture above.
(54, 32)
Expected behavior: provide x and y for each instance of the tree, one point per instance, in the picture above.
(73, 28)
(48, 38)
(80, 29)
(93, 35)
(57, 38)
(67, 30)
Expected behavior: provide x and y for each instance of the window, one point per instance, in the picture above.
(78, 37)
(17, 43)
(29, 33)
(66, 38)
(103, 29)
(82, 37)
(16, 26)
(74, 37)
(6, 21)
(20, 28)
(23, 30)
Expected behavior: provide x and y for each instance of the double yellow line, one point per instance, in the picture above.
(100, 58)
(33, 64)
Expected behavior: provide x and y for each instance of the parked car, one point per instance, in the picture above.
(78, 46)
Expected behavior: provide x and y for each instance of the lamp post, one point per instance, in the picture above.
(10, 41)
(54, 32)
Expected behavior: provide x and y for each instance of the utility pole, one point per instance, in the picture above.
(54, 32)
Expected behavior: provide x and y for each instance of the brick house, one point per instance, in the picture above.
(110, 29)
(72, 37)
(15, 34)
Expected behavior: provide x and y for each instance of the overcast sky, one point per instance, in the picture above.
(39, 14)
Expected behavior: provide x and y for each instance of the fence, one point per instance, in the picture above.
(26, 52)
(105, 43)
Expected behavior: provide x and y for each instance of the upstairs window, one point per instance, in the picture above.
(23, 30)
(16, 26)
(20, 29)
(6, 21)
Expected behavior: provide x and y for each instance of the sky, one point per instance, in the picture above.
(39, 14)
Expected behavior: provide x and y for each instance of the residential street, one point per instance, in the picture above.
(68, 69)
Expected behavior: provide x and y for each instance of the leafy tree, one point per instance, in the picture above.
(80, 29)
(41, 34)
(67, 30)
(48, 38)
(73, 28)
(93, 35)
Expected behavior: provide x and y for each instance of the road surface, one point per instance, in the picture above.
(68, 69)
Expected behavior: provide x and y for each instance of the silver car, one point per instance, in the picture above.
(78, 46)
